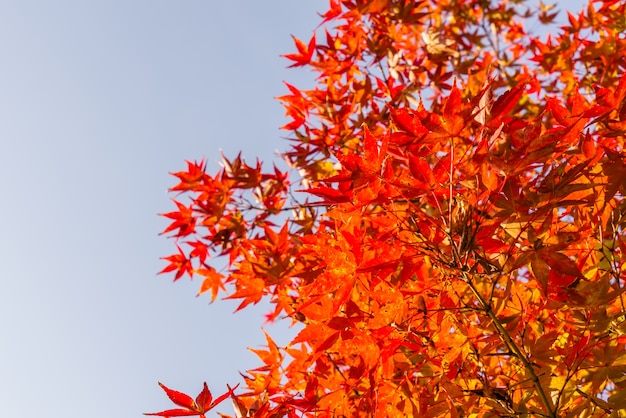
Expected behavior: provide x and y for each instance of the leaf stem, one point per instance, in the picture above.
(506, 338)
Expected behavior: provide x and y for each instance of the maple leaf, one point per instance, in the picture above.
(333, 12)
(203, 403)
(184, 220)
(297, 107)
(305, 52)
(191, 178)
(178, 262)
(212, 281)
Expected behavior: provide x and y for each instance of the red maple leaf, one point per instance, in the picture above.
(305, 52)
(203, 403)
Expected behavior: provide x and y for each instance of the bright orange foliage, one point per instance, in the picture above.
(456, 245)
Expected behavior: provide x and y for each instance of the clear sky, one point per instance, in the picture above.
(99, 100)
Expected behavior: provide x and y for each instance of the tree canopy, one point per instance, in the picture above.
(448, 234)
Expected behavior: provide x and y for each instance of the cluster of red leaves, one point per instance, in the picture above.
(463, 252)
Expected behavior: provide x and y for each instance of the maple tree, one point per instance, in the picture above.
(454, 245)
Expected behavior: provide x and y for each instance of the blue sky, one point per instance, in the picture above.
(99, 100)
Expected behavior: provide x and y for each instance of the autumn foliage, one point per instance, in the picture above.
(448, 236)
